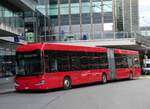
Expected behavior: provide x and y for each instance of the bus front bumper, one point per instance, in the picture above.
(22, 87)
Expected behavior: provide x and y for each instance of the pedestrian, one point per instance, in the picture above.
(84, 37)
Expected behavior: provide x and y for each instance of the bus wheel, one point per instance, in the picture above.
(104, 79)
(67, 83)
(131, 76)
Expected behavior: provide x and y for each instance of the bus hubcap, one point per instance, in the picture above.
(104, 79)
(66, 83)
(131, 77)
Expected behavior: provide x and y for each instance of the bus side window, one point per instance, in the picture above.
(54, 65)
(136, 62)
(46, 63)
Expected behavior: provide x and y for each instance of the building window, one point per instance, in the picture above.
(7, 63)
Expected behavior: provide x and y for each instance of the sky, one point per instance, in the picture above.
(144, 12)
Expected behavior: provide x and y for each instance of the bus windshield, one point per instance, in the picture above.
(28, 63)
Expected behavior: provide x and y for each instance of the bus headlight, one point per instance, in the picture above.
(41, 82)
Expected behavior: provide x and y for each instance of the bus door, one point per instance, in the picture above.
(111, 63)
(52, 76)
(122, 66)
(84, 70)
(136, 66)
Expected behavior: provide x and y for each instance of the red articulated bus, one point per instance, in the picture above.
(46, 66)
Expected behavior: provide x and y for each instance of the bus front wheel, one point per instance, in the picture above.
(67, 83)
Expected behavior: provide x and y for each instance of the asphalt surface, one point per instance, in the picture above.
(115, 95)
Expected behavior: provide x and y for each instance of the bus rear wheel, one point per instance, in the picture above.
(104, 79)
(67, 83)
(130, 76)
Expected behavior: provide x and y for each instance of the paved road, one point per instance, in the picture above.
(116, 95)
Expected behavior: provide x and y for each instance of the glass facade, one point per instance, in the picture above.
(119, 14)
(75, 9)
(89, 17)
(7, 60)
(127, 15)
(10, 18)
(145, 31)
(64, 8)
(79, 16)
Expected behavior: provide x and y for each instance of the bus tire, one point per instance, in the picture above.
(130, 76)
(104, 78)
(67, 83)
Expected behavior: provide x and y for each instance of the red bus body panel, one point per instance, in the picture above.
(126, 52)
(60, 47)
(29, 83)
(29, 47)
(55, 79)
(122, 73)
(136, 72)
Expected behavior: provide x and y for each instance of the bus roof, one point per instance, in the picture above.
(29, 47)
(127, 52)
(64, 47)
(59, 47)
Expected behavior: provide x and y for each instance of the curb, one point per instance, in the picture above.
(144, 77)
(7, 91)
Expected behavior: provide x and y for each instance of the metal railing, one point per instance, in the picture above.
(57, 37)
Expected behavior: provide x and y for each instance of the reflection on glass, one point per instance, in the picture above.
(64, 8)
(29, 63)
(10, 18)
